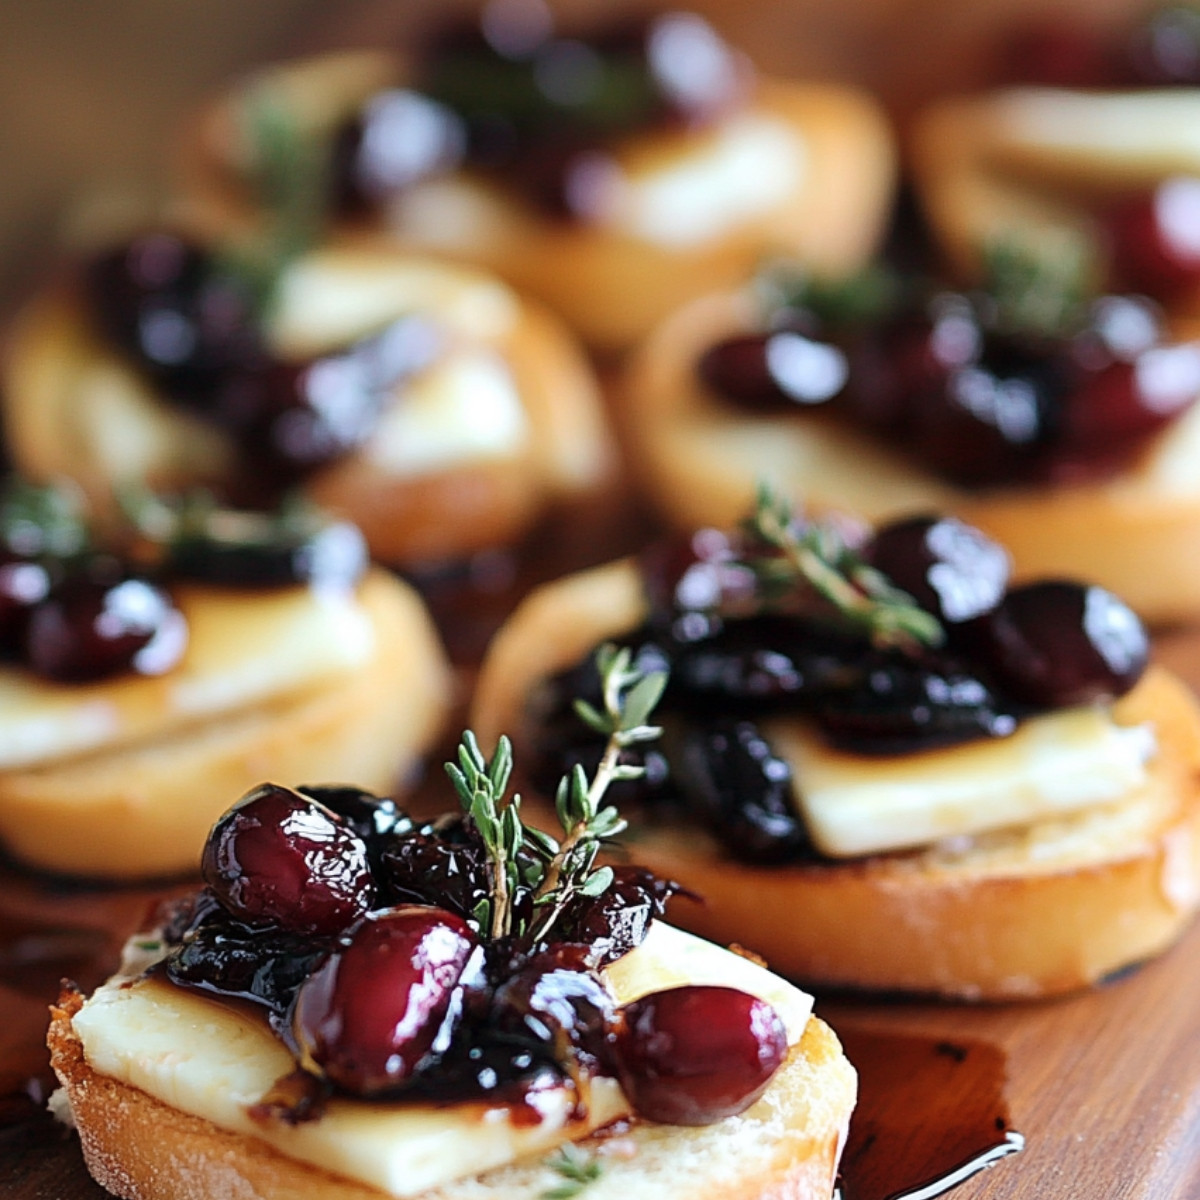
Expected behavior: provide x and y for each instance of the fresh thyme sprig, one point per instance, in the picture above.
(577, 1168)
(1042, 289)
(815, 556)
(527, 862)
(859, 299)
(481, 787)
(43, 519)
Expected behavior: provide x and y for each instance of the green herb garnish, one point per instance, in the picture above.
(42, 519)
(795, 562)
(577, 1169)
(527, 862)
(859, 299)
(1042, 289)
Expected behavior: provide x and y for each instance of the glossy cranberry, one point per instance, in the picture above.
(161, 299)
(617, 921)
(225, 957)
(398, 139)
(555, 1001)
(901, 705)
(301, 416)
(272, 554)
(22, 585)
(775, 371)
(694, 1055)
(730, 776)
(1057, 643)
(386, 999)
(687, 578)
(279, 858)
(761, 664)
(694, 70)
(444, 864)
(1156, 239)
(98, 623)
(1165, 49)
(371, 817)
(950, 568)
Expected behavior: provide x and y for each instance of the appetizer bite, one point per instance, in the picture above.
(427, 403)
(1093, 153)
(1062, 422)
(964, 787)
(136, 686)
(614, 174)
(358, 1005)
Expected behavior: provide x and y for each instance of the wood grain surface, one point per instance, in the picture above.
(1104, 1086)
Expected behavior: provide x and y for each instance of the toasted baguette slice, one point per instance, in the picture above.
(701, 461)
(145, 809)
(1038, 168)
(1044, 909)
(787, 1145)
(802, 169)
(471, 454)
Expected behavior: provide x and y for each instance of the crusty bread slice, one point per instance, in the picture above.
(1045, 909)
(701, 461)
(74, 408)
(609, 279)
(1039, 167)
(786, 1145)
(145, 809)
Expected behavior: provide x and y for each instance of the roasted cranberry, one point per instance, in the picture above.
(386, 999)
(763, 664)
(608, 926)
(786, 368)
(556, 1001)
(301, 416)
(729, 774)
(688, 578)
(161, 298)
(444, 863)
(1058, 53)
(22, 585)
(1156, 239)
(695, 1055)
(398, 139)
(1165, 50)
(950, 568)
(371, 817)
(224, 957)
(902, 705)
(1057, 643)
(279, 858)
(98, 623)
(264, 553)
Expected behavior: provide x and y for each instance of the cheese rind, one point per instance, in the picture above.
(215, 1062)
(1054, 764)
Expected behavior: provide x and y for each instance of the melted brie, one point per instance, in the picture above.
(201, 1058)
(244, 649)
(1054, 764)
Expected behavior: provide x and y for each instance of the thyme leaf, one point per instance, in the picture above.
(794, 561)
(528, 862)
(577, 1168)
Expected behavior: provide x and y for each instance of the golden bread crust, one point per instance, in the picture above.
(701, 461)
(1046, 910)
(145, 809)
(610, 285)
(787, 1145)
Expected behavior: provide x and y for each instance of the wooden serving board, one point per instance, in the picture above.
(1104, 1086)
